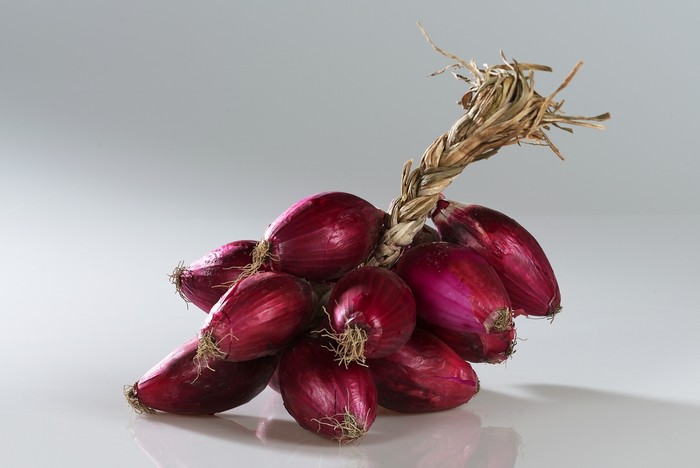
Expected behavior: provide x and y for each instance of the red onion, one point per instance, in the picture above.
(334, 401)
(178, 385)
(492, 348)
(423, 375)
(372, 314)
(513, 252)
(257, 316)
(205, 280)
(322, 236)
(455, 288)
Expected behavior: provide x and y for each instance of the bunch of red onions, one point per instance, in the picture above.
(300, 311)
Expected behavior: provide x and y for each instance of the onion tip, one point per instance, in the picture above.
(502, 321)
(553, 313)
(511, 347)
(208, 348)
(350, 345)
(259, 255)
(351, 429)
(132, 399)
(175, 279)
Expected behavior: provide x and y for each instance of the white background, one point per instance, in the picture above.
(134, 135)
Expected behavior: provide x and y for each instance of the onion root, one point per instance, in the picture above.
(208, 348)
(348, 425)
(136, 405)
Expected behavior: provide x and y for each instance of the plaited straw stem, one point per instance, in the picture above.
(502, 108)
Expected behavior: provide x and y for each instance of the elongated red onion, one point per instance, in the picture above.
(178, 385)
(205, 280)
(455, 288)
(257, 316)
(423, 375)
(333, 401)
(513, 252)
(322, 236)
(492, 348)
(372, 314)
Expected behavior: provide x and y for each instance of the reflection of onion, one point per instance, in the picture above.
(451, 439)
(448, 441)
(440, 439)
(176, 440)
(267, 416)
(498, 448)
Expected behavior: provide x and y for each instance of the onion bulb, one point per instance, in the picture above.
(372, 314)
(177, 384)
(205, 280)
(336, 402)
(423, 375)
(512, 251)
(455, 288)
(321, 237)
(257, 316)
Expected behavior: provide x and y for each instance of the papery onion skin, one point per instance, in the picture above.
(454, 287)
(179, 385)
(323, 236)
(336, 402)
(258, 316)
(205, 280)
(378, 302)
(514, 253)
(491, 348)
(424, 375)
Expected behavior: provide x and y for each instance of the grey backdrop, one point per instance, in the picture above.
(187, 109)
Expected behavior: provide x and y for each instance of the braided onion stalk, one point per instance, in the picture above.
(502, 108)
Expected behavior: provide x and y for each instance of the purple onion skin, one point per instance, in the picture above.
(317, 392)
(260, 315)
(424, 375)
(491, 348)
(202, 282)
(324, 236)
(377, 301)
(454, 287)
(513, 252)
(178, 385)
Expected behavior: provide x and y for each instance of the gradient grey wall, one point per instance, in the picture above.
(189, 109)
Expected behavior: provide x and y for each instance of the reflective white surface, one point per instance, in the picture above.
(613, 381)
(134, 135)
